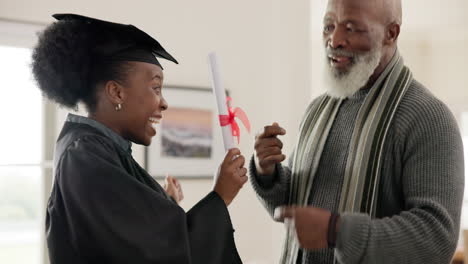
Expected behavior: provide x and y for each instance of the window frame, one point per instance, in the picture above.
(24, 35)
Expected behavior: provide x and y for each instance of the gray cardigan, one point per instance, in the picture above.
(421, 187)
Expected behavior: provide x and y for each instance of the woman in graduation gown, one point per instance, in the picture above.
(105, 208)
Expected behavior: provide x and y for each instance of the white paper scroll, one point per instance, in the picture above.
(220, 95)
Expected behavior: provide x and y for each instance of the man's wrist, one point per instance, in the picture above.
(332, 229)
(266, 180)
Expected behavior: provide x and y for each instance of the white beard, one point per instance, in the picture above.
(344, 84)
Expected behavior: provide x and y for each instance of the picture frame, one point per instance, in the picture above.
(188, 141)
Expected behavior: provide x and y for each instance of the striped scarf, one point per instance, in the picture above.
(362, 174)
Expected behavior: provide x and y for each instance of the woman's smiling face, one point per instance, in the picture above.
(144, 102)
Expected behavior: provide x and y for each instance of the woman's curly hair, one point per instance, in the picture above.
(66, 68)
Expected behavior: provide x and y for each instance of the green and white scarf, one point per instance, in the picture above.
(362, 174)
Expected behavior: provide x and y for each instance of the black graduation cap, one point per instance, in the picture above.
(122, 42)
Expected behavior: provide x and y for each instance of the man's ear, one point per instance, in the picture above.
(391, 33)
(114, 92)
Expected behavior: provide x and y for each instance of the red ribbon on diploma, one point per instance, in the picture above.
(229, 119)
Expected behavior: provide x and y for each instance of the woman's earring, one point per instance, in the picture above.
(118, 107)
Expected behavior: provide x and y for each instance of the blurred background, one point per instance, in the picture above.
(272, 56)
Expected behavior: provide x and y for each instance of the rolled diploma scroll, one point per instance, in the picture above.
(220, 96)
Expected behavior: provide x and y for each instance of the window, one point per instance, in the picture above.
(23, 155)
(20, 159)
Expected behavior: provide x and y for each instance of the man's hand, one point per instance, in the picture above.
(268, 149)
(311, 224)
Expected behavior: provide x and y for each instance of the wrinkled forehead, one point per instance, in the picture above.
(343, 10)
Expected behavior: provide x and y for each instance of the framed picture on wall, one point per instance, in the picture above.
(188, 142)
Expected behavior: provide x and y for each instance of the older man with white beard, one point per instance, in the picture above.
(377, 173)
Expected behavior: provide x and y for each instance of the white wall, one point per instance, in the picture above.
(264, 47)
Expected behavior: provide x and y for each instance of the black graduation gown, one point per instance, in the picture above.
(105, 208)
